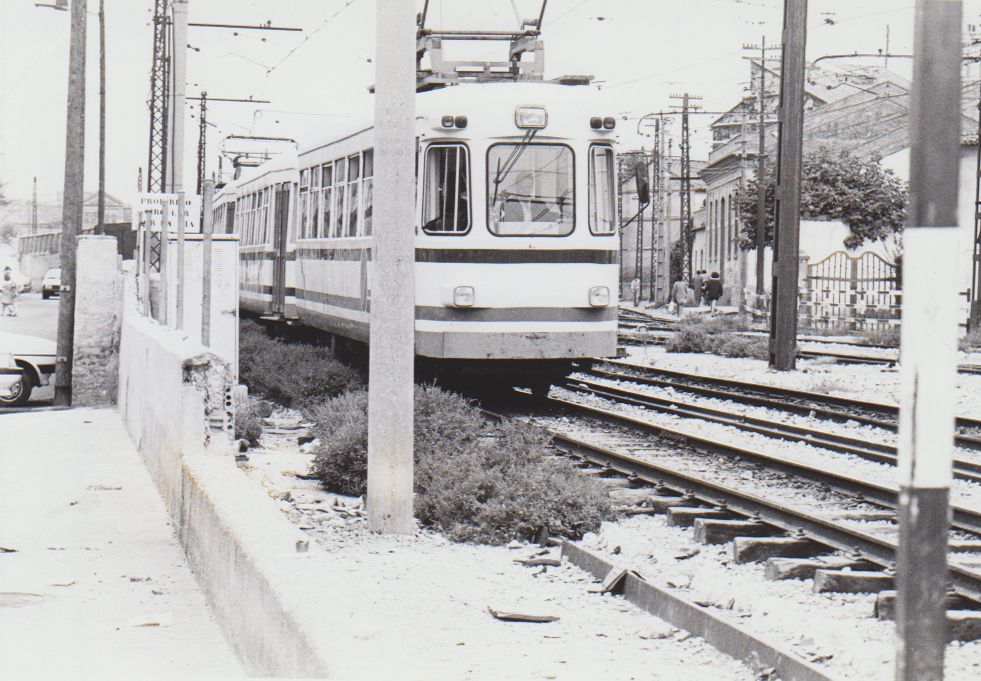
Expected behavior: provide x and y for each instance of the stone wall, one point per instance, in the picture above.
(98, 312)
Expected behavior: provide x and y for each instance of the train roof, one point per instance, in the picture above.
(279, 169)
(489, 108)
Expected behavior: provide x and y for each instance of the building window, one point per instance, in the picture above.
(725, 226)
(446, 197)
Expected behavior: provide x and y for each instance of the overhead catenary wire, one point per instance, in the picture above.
(309, 36)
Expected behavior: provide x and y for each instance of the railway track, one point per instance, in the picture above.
(636, 329)
(866, 449)
(761, 515)
(826, 407)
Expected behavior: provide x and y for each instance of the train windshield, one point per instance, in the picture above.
(530, 190)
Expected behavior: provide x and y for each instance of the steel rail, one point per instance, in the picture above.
(965, 519)
(775, 397)
(871, 451)
(878, 550)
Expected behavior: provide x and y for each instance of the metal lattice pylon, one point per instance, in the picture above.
(202, 140)
(686, 223)
(159, 92)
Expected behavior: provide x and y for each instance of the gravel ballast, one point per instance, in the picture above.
(437, 593)
(836, 631)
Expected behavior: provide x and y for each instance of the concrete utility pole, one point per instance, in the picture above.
(639, 253)
(392, 350)
(72, 203)
(102, 118)
(175, 175)
(974, 315)
(207, 229)
(928, 373)
(786, 235)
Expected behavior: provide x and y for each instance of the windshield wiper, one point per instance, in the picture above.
(510, 161)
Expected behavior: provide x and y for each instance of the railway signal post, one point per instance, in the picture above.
(392, 330)
(929, 343)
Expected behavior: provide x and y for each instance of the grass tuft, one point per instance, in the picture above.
(291, 374)
(474, 481)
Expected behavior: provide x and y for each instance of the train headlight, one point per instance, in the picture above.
(463, 296)
(534, 117)
(599, 296)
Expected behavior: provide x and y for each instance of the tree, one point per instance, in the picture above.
(868, 198)
(7, 232)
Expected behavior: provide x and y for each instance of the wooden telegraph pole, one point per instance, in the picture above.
(928, 374)
(786, 237)
(392, 353)
(71, 211)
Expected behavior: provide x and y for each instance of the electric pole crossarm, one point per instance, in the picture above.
(245, 27)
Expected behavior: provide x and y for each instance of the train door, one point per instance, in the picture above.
(279, 248)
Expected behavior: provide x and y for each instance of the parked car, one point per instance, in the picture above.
(35, 357)
(51, 283)
(10, 379)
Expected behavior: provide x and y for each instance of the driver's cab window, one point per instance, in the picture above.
(446, 196)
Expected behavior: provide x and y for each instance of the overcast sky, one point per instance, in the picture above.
(641, 52)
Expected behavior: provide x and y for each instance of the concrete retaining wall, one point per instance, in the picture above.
(98, 311)
(36, 265)
(243, 550)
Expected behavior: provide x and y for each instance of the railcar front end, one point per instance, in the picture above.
(517, 249)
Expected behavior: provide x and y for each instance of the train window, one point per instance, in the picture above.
(315, 202)
(367, 191)
(340, 175)
(446, 200)
(266, 231)
(601, 190)
(530, 189)
(327, 181)
(302, 204)
(353, 175)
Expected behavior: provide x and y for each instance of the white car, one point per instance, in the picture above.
(35, 357)
(10, 379)
(51, 283)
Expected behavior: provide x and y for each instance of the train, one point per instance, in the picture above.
(516, 232)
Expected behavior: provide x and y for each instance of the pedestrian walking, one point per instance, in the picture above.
(635, 289)
(8, 293)
(679, 294)
(697, 283)
(713, 290)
